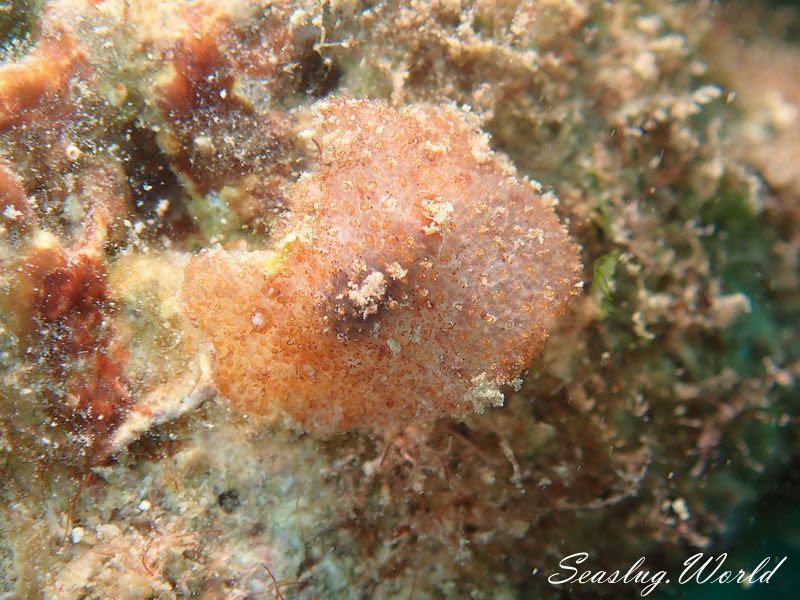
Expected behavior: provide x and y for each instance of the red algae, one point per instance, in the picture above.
(62, 310)
(416, 275)
(42, 75)
(199, 99)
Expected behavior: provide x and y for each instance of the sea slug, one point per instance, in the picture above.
(416, 274)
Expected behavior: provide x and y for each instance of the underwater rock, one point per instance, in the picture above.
(337, 193)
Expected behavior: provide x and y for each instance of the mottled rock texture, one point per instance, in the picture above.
(165, 157)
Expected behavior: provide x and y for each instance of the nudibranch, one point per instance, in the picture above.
(415, 275)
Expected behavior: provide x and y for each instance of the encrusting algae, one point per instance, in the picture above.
(416, 275)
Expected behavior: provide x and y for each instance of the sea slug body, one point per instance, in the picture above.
(415, 275)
